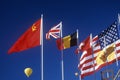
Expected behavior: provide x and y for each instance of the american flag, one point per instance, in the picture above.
(54, 31)
(109, 35)
(88, 64)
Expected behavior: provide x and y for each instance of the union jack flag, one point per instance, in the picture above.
(54, 31)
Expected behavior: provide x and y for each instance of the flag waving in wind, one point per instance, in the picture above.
(54, 31)
(87, 63)
(31, 38)
(83, 45)
(67, 41)
(105, 50)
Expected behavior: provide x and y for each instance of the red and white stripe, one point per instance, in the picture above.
(117, 49)
(55, 31)
(87, 62)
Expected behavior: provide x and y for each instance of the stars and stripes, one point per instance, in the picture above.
(54, 31)
(87, 61)
(91, 61)
(109, 35)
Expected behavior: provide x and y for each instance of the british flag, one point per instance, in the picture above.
(54, 31)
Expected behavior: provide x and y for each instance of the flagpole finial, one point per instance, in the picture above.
(77, 34)
(41, 15)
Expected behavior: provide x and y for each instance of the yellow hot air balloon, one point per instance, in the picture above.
(28, 71)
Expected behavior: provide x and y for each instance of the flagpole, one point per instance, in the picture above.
(116, 55)
(62, 63)
(41, 40)
(105, 55)
(118, 24)
(91, 42)
(78, 50)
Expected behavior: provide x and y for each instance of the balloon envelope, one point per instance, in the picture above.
(76, 74)
(28, 71)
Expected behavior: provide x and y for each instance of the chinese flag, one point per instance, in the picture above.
(29, 39)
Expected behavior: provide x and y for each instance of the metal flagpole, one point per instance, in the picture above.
(105, 55)
(118, 21)
(41, 40)
(118, 24)
(116, 55)
(78, 50)
(91, 45)
(62, 63)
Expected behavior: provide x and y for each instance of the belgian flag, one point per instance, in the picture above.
(67, 41)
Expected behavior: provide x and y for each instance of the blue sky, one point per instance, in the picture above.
(88, 16)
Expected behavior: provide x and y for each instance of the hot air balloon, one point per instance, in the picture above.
(76, 74)
(28, 72)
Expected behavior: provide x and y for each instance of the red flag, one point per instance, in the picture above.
(83, 45)
(59, 44)
(29, 39)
